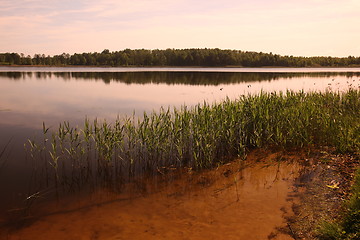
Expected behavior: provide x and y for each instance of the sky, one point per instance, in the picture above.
(286, 27)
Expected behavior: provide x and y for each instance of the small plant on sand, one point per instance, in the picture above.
(348, 226)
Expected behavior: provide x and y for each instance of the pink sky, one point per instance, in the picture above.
(287, 27)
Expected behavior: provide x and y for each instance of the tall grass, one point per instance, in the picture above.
(198, 137)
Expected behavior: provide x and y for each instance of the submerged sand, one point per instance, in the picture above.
(240, 200)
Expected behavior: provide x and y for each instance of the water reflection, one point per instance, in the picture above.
(171, 78)
(29, 98)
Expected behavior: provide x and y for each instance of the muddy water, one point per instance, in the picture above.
(241, 200)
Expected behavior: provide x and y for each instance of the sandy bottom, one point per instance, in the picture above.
(240, 200)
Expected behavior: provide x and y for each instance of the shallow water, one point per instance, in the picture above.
(241, 200)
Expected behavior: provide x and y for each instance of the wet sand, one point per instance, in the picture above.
(240, 200)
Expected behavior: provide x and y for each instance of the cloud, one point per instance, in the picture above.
(54, 26)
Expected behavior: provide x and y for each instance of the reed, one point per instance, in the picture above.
(4, 155)
(199, 137)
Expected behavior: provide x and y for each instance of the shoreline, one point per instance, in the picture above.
(134, 69)
(298, 186)
(180, 67)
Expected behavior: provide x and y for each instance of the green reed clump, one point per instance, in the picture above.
(198, 137)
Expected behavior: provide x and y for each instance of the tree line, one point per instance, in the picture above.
(177, 57)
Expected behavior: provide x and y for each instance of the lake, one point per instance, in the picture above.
(33, 95)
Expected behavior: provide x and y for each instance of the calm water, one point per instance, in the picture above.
(30, 96)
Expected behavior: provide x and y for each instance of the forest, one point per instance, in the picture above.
(178, 57)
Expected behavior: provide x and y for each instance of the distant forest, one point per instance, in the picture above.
(177, 57)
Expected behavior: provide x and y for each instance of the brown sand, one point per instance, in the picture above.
(230, 202)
